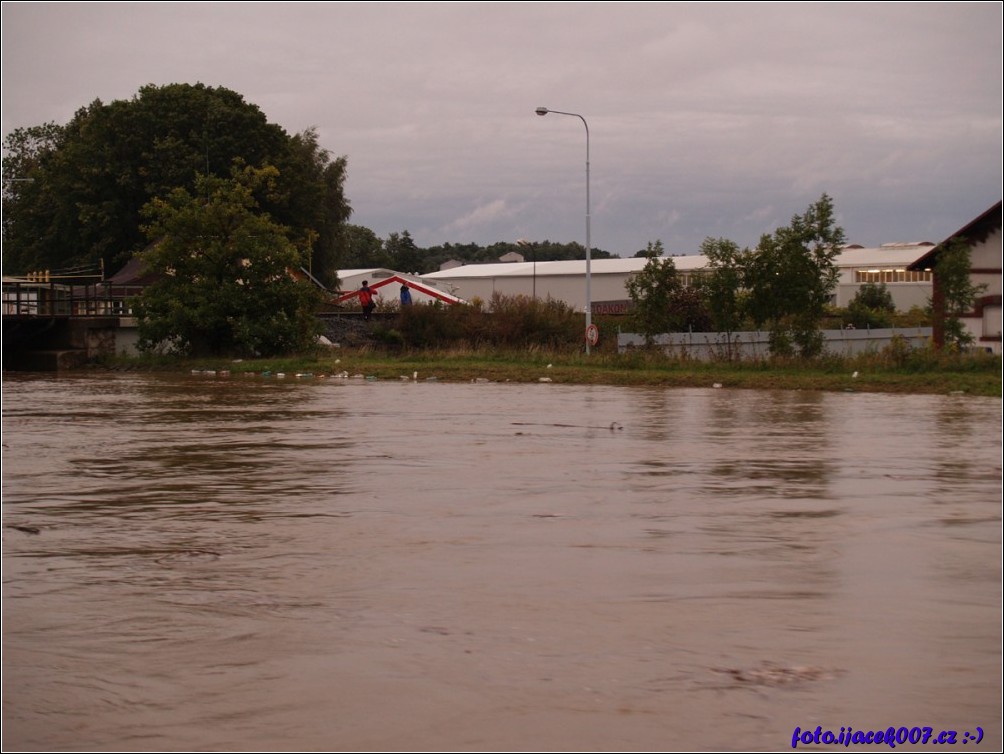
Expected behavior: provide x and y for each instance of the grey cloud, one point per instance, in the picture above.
(705, 119)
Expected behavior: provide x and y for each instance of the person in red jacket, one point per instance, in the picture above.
(366, 295)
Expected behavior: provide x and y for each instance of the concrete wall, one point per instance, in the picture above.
(126, 337)
(708, 346)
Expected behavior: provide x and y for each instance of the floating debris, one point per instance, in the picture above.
(613, 425)
(26, 529)
(440, 630)
(188, 556)
(776, 676)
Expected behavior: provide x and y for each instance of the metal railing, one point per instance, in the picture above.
(41, 299)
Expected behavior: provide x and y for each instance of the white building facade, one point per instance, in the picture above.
(565, 281)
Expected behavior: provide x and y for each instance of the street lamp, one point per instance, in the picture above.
(523, 243)
(589, 297)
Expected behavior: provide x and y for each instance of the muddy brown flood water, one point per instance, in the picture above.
(209, 563)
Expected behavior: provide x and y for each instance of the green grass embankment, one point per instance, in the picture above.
(931, 374)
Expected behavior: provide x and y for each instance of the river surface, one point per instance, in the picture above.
(208, 563)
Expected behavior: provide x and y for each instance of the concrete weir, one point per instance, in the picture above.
(52, 344)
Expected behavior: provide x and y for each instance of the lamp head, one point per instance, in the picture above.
(541, 111)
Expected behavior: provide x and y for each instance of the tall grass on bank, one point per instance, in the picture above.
(507, 322)
(519, 339)
(921, 371)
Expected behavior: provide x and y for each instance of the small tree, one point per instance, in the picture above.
(872, 306)
(955, 292)
(652, 292)
(226, 284)
(875, 296)
(791, 276)
(723, 285)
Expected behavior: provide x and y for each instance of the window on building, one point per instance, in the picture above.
(892, 276)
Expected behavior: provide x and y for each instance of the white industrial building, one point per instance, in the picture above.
(904, 268)
(565, 281)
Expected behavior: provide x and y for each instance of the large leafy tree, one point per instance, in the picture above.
(402, 253)
(791, 276)
(81, 186)
(311, 199)
(360, 248)
(225, 269)
(27, 151)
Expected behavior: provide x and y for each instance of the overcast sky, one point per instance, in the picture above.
(704, 119)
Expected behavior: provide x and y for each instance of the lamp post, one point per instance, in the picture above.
(589, 297)
(523, 243)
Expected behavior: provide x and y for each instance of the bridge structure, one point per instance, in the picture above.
(53, 326)
(49, 326)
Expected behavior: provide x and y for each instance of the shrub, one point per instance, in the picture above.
(510, 321)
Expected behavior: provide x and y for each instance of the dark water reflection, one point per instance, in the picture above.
(246, 563)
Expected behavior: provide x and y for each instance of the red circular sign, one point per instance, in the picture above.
(592, 335)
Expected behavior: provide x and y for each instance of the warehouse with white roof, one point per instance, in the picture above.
(564, 281)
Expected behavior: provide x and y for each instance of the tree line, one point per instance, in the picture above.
(74, 194)
(783, 285)
(364, 249)
(218, 201)
(225, 206)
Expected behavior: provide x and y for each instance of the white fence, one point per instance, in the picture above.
(709, 346)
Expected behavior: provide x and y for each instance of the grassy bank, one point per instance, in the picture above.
(932, 373)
